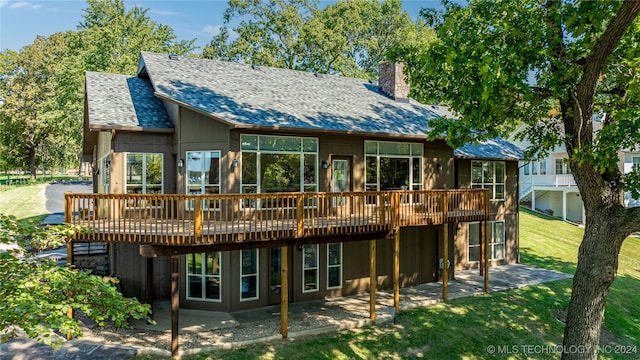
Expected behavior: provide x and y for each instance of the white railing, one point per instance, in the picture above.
(547, 180)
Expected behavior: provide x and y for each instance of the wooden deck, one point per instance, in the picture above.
(261, 219)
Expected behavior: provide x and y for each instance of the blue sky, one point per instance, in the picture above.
(22, 21)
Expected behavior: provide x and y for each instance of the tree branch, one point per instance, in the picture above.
(596, 61)
(630, 220)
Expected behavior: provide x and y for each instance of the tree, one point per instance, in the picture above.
(584, 57)
(27, 117)
(37, 294)
(347, 38)
(114, 37)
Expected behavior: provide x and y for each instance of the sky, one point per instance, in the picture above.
(22, 21)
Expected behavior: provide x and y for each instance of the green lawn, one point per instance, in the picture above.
(24, 201)
(517, 321)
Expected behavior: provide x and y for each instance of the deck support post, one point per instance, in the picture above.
(69, 265)
(175, 305)
(485, 240)
(197, 218)
(445, 247)
(445, 261)
(149, 282)
(284, 292)
(373, 280)
(486, 225)
(396, 269)
(482, 235)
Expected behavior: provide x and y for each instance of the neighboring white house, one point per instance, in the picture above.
(546, 184)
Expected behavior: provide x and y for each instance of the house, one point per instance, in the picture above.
(546, 184)
(229, 177)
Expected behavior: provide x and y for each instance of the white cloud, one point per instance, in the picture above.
(163, 12)
(18, 4)
(211, 29)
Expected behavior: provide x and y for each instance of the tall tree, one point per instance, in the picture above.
(114, 36)
(348, 38)
(584, 57)
(28, 95)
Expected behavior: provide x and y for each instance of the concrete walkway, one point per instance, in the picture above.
(467, 283)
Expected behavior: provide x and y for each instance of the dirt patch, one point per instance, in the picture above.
(607, 337)
(419, 352)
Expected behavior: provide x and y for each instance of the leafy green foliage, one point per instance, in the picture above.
(37, 294)
(348, 38)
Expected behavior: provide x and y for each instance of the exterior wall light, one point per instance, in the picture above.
(234, 164)
(180, 164)
(325, 164)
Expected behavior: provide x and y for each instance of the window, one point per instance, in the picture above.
(334, 265)
(534, 168)
(636, 162)
(203, 172)
(559, 166)
(310, 268)
(248, 274)
(203, 276)
(143, 173)
(278, 164)
(393, 166)
(526, 168)
(496, 241)
(543, 166)
(489, 175)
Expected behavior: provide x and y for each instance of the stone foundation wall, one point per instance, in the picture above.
(98, 264)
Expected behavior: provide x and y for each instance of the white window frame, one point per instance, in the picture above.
(256, 274)
(416, 151)
(203, 186)
(559, 162)
(303, 187)
(144, 171)
(492, 242)
(338, 266)
(491, 185)
(204, 276)
(635, 162)
(316, 268)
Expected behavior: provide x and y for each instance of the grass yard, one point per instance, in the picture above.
(475, 328)
(24, 201)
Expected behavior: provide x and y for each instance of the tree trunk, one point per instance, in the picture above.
(32, 153)
(596, 271)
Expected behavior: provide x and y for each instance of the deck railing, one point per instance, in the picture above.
(170, 219)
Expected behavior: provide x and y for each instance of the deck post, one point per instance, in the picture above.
(149, 282)
(373, 280)
(284, 292)
(197, 218)
(445, 248)
(486, 257)
(69, 265)
(483, 229)
(175, 305)
(396, 269)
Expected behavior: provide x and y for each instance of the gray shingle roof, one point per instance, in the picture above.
(497, 148)
(120, 101)
(271, 97)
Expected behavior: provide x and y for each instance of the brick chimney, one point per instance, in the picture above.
(391, 81)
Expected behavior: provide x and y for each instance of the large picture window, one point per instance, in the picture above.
(334, 265)
(278, 164)
(310, 268)
(143, 173)
(249, 274)
(203, 172)
(203, 276)
(489, 175)
(496, 241)
(393, 165)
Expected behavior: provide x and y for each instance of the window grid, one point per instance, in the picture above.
(202, 273)
(310, 281)
(249, 274)
(334, 266)
(496, 241)
(255, 147)
(489, 175)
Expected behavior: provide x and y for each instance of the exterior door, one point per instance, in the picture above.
(341, 180)
(275, 275)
